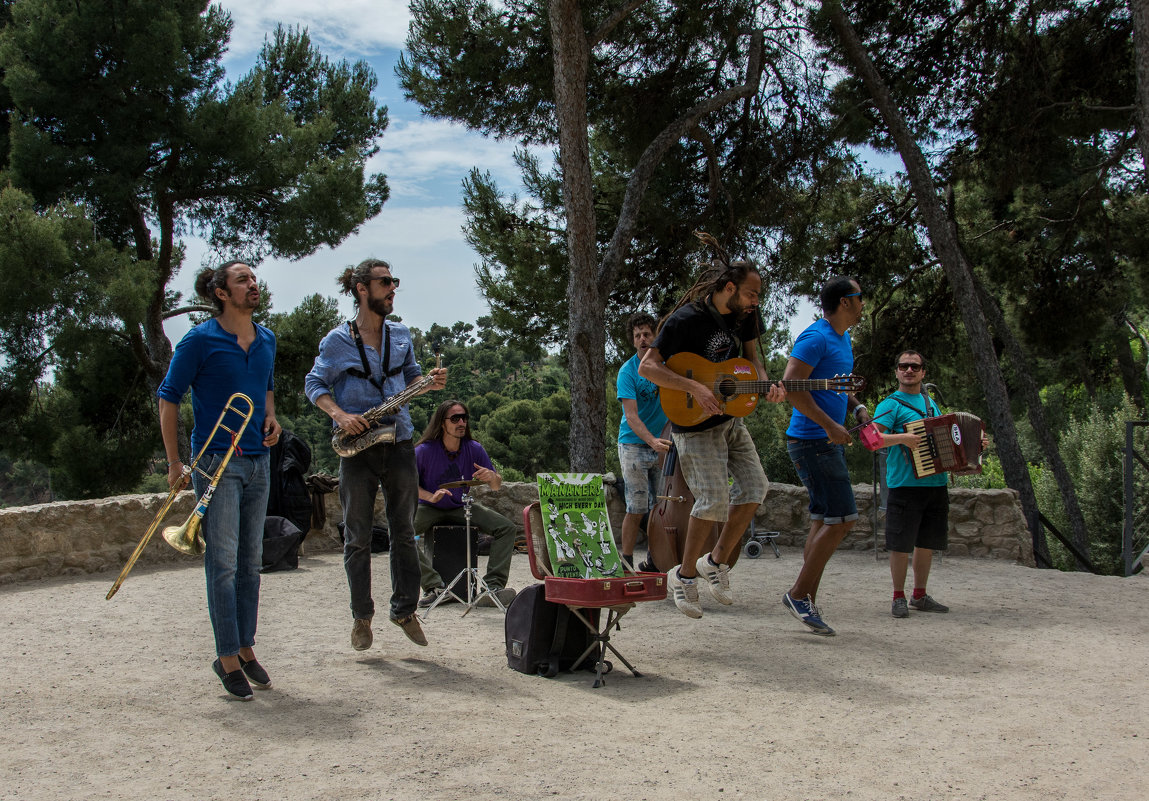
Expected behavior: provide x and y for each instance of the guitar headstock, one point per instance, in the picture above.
(848, 384)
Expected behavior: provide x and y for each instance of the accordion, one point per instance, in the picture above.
(951, 443)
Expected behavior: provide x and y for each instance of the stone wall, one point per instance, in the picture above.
(71, 538)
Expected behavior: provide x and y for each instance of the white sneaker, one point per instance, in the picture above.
(685, 593)
(717, 579)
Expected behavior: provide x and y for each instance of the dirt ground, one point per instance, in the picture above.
(1033, 687)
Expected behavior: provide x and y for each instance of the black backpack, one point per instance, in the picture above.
(544, 638)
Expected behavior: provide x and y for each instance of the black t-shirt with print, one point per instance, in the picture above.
(694, 328)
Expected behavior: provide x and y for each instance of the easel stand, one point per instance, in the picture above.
(474, 588)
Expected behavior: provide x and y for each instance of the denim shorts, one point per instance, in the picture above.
(640, 472)
(822, 467)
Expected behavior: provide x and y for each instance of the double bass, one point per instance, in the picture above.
(666, 526)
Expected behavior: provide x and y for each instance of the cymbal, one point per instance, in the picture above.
(474, 482)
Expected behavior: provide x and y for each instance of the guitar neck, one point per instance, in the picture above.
(791, 385)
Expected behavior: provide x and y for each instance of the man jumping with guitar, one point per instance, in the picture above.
(720, 323)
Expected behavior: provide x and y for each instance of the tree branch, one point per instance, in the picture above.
(644, 170)
(611, 22)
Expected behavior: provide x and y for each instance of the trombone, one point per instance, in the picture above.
(187, 538)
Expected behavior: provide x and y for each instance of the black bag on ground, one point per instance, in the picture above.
(380, 537)
(281, 540)
(543, 637)
(289, 496)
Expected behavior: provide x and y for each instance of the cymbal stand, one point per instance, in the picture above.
(475, 587)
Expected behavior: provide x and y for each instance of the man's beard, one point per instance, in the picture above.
(740, 312)
(379, 306)
(243, 303)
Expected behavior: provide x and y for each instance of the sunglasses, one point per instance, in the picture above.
(853, 295)
(910, 367)
(458, 418)
(385, 280)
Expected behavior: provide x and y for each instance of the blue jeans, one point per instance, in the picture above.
(821, 466)
(233, 530)
(360, 477)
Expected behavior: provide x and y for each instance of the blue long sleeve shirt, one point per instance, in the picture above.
(210, 361)
(338, 351)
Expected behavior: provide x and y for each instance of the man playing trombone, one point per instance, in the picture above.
(227, 354)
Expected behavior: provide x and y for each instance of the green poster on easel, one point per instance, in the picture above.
(579, 537)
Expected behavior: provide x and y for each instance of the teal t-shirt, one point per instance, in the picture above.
(645, 395)
(893, 416)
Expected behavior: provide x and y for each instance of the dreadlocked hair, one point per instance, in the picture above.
(720, 272)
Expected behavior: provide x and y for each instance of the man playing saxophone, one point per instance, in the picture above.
(362, 363)
(227, 354)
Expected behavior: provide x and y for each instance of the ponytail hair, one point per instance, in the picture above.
(359, 274)
(210, 279)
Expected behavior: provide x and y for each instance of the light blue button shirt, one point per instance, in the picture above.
(338, 352)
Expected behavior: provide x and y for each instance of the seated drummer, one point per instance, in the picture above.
(446, 452)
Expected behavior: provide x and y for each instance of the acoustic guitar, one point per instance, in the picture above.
(736, 384)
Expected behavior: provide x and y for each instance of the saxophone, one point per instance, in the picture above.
(348, 444)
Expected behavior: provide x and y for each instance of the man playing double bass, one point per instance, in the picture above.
(720, 324)
(361, 363)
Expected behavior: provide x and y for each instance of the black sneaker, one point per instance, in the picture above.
(234, 682)
(255, 673)
(899, 608)
(646, 566)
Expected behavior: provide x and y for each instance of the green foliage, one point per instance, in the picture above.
(1093, 448)
(297, 335)
(529, 435)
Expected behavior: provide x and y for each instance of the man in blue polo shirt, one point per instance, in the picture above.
(640, 439)
(227, 354)
(817, 439)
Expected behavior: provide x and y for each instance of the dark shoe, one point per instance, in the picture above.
(900, 608)
(412, 629)
(646, 566)
(255, 673)
(361, 634)
(430, 595)
(928, 604)
(805, 610)
(233, 682)
(504, 594)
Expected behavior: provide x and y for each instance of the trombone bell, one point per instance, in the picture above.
(186, 538)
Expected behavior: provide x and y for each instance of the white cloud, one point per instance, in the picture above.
(415, 154)
(345, 28)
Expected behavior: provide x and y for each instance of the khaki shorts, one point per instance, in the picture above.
(710, 458)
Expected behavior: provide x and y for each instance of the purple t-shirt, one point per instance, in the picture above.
(437, 466)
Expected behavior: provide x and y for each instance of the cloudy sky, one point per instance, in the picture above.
(425, 160)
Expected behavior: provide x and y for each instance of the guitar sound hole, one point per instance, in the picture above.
(726, 387)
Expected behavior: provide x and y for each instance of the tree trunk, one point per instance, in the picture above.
(957, 271)
(587, 299)
(1140, 11)
(1045, 436)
